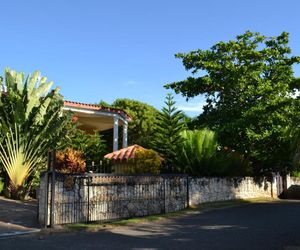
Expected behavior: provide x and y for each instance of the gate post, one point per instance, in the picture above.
(187, 192)
(88, 198)
(164, 190)
(52, 200)
(47, 190)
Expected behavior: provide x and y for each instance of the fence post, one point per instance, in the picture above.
(272, 181)
(47, 189)
(187, 192)
(46, 199)
(52, 201)
(88, 204)
(164, 182)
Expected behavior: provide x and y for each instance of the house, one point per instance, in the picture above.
(99, 118)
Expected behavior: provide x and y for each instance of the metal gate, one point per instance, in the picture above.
(105, 197)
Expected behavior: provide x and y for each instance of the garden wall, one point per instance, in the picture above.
(95, 197)
(293, 181)
(292, 190)
(220, 189)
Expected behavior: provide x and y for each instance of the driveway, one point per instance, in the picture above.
(17, 217)
(272, 225)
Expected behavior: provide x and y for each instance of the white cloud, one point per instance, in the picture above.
(192, 107)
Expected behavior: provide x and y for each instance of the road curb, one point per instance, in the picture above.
(17, 233)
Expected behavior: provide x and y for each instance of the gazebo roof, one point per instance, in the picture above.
(124, 153)
(95, 117)
(97, 108)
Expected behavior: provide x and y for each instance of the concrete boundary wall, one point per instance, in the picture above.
(221, 189)
(292, 181)
(94, 198)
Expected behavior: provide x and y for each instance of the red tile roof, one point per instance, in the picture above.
(97, 107)
(124, 153)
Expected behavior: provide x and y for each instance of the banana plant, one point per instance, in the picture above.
(31, 121)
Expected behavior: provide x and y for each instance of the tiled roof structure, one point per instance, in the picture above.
(97, 108)
(124, 153)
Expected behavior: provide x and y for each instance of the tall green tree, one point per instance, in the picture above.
(31, 121)
(249, 86)
(167, 139)
(142, 126)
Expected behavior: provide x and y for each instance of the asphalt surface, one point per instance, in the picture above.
(17, 217)
(254, 226)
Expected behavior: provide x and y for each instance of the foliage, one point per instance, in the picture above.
(144, 162)
(92, 145)
(295, 149)
(34, 182)
(18, 159)
(103, 103)
(30, 123)
(1, 185)
(249, 88)
(228, 162)
(70, 161)
(167, 138)
(142, 126)
(191, 122)
(197, 150)
(201, 155)
(296, 174)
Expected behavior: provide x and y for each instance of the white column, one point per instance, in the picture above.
(125, 133)
(116, 133)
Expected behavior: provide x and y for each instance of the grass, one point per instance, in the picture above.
(95, 226)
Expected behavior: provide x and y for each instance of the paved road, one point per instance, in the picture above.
(17, 217)
(255, 226)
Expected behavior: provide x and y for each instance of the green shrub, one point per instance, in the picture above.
(144, 162)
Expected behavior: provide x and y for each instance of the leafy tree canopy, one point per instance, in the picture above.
(104, 103)
(249, 88)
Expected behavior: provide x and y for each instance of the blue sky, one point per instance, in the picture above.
(113, 49)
